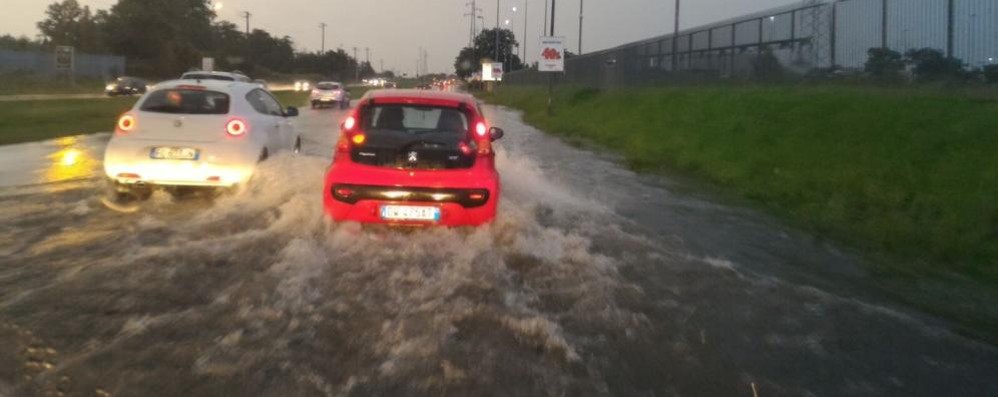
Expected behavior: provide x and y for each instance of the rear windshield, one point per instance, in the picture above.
(413, 120)
(207, 77)
(327, 86)
(186, 101)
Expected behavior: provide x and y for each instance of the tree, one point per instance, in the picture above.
(67, 23)
(19, 43)
(161, 38)
(884, 64)
(469, 60)
(930, 64)
(467, 63)
(990, 73)
(485, 45)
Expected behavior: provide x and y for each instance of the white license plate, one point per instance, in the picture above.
(410, 213)
(174, 153)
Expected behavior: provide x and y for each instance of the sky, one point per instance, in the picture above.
(395, 30)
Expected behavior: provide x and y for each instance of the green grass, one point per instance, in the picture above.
(291, 98)
(25, 121)
(31, 85)
(908, 177)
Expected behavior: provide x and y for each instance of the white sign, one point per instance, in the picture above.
(208, 64)
(552, 54)
(492, 71)
(64, 57)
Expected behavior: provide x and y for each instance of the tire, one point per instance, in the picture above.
(313, 105)
(297, 147)
(264, 155)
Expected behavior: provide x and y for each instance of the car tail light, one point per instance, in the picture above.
(358, 139)
(467, 150)
(349, 123)
(481, 129)
(126, 123)
(236, 127)
(344, 192)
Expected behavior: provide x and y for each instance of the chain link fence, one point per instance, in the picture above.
(813, 35)
(43, 63)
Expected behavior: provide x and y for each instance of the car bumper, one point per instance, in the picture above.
(217, 166)
(446, 191)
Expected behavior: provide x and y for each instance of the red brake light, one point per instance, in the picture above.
(349, 123)
(465, 148)
(236, 127)
(481, 129)
(126, 123)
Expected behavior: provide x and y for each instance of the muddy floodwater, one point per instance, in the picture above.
(594, 281)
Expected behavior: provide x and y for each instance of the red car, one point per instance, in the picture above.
(414, 158)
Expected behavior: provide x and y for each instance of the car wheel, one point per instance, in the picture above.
(313, 104)
(297, 148)
(263, 155)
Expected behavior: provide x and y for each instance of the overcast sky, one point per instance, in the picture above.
(394, 30)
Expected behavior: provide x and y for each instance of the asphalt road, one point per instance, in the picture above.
(594, 281)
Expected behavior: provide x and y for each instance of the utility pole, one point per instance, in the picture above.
(356, 70)
(382, 63)
(580, 26)
(323, 27)
(474, 21)
(675, 41)
(545, 30)
(367, 55)
(247, 15)
(498, 3)
(551, 75)
(526, 22)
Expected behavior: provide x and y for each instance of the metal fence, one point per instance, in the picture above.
(803, 37)
(42, 63)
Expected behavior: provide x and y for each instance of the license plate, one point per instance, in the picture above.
(174, 153)
(409, 213)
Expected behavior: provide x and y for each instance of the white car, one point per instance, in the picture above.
(207, 133)
(329, 93)
(223, 76)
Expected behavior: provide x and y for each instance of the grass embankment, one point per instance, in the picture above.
(21, 84)
(25, 121)
(909, 177)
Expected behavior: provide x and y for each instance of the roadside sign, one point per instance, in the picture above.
(64, 58)
(208, 64)
(552, 54)
(492, 71)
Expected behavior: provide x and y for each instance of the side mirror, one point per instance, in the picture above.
(496, 133)
(291, 112)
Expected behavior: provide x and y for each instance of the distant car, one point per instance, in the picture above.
(330, 93)
(262, 84)
(222, 76)
(302, 86)
(414, 158)
(126, 86)
(208, 134)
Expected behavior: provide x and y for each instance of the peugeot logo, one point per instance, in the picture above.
(413, 157)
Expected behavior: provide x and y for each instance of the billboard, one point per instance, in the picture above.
(64, 58)
(552, 54)
(492, 71)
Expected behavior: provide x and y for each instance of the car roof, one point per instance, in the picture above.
(330, 82)
(215, 85)
(422, 97)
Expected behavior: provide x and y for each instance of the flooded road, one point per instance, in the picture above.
(594, 281)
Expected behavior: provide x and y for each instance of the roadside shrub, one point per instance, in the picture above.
(990, 73)
(884, 64)
(767, 68)
(929, 64)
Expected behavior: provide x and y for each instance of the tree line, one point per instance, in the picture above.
(164, 38)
